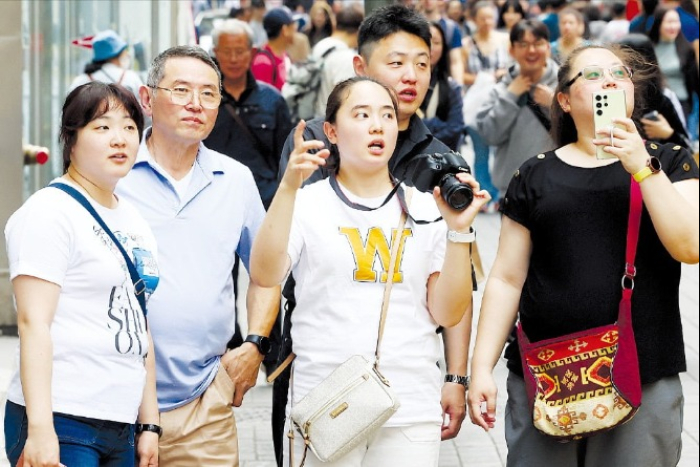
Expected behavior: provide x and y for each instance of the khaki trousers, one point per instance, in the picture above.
(202, 432)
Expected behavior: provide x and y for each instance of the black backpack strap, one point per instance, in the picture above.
(139, 284)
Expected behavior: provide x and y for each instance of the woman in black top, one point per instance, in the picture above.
(561, 257)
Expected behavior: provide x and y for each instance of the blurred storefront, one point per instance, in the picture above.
(38, 64)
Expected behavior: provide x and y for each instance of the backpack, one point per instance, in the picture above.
(268, 54)
(301, 88)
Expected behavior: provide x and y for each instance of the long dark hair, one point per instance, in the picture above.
(655, 29)
(337, 97)
(564, 130)
(440, 74)
(90, 101)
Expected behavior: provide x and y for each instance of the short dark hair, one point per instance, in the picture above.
(89, 102)
(349, 19)
(388, 20)
(618, 9)
(534, 26)
(337, 97)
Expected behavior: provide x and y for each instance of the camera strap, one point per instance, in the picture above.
(361, 207)
(397, 190)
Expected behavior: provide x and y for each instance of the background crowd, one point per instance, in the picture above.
(480, 77)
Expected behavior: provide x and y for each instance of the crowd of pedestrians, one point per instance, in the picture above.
(130, 349)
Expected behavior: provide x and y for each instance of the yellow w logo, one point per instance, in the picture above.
(375, 245)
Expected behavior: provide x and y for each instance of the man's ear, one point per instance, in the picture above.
(330, 132)
(360, 66)
(145, 95)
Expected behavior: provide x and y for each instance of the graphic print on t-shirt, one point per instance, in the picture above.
(126, 320)
(125, 317)
(375, 245)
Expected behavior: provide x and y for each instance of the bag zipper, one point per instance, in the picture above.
(319, 412)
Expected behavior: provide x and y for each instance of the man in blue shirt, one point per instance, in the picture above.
(204, 209)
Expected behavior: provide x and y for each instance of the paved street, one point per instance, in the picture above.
(473, 447)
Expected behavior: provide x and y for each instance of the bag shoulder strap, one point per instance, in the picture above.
(328, 52)
(390, 276)
(633, 223)
(269, 55)
(139, 284)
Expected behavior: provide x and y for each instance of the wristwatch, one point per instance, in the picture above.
(463, 380)
(262, 342)
(141, 427)
(461, 237)
(653, 167)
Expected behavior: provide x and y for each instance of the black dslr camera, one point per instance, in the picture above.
(426, 171)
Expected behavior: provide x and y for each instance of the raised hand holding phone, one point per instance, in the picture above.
(608, 105)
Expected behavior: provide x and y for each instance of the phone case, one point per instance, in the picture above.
(606, 106)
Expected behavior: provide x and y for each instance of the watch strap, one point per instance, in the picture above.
(642, 174)
(153, 428)
(461, 237)
(258, 342)
(653, 166)
(463, 380)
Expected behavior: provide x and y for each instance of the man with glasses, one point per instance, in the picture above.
(515, 118)
(204, 209)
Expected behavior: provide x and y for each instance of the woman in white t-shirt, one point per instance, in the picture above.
(86, 366)
(339, 254)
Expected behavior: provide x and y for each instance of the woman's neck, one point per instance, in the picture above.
(483, 35)
(365, 184)
(104, 195)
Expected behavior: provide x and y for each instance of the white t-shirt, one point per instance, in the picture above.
(111, 73)
(337, 66)
(98, 332)
(338, 257)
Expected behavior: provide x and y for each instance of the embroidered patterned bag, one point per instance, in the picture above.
(585, 383)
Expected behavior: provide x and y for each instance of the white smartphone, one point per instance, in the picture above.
(606, 106)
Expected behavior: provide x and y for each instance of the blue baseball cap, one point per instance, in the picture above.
(106, 45)
(275, 19)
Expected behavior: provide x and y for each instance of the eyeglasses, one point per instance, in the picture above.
(524, 45)
(182, 96)
(234, 53)
(597, 73)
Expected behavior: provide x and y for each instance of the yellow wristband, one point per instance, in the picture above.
(642, 174)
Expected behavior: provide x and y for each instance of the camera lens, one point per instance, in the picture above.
(456, 194)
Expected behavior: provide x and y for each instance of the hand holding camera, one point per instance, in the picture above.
(448, 177)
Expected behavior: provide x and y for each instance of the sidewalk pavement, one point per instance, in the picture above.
(473, 447)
